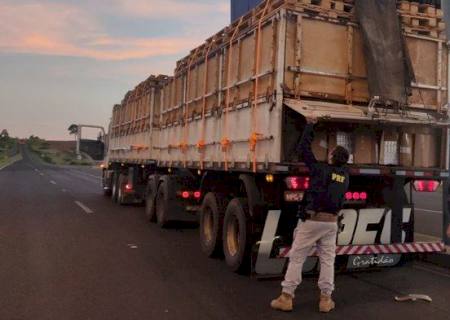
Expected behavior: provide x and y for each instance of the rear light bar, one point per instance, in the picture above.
(297, 183)
(190, 194)
(356, 196)
(426, 185)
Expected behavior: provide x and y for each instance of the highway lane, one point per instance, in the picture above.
(61, 261)
(428, 213)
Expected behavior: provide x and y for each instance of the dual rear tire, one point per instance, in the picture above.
(115, 187)
(224, 229)
(150, 198)
(119, 180)
(162, 205)
(122, 181)
(212, 214)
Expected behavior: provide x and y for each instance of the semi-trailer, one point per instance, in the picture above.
(215, 142)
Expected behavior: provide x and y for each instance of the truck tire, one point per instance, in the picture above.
(236, 236)
(150, 198)
(212, 214)
(107, 187)
(162, 206)
(122, 181)
(107, 192)
(115, 182)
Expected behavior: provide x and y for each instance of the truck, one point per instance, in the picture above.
(215, 142)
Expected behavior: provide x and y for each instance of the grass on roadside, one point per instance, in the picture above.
(52, 156)
(6, 147)
(3, 159)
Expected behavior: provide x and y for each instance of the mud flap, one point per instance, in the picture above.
(265, 261)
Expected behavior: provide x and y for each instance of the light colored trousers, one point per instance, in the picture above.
(309, 235)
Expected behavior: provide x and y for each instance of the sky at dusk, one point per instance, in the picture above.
(70, 61)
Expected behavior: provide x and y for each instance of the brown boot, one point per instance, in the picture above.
(283, 302)
(326, 303)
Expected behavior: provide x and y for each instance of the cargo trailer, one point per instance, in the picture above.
(215, 142)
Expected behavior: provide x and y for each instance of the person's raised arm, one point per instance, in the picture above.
(304, 147)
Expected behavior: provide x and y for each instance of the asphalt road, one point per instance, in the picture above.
(68, 253)
(428, 213)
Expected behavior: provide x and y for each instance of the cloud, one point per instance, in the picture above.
(65, 29)
(181, 9)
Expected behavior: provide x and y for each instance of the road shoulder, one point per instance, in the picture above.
(10, 161)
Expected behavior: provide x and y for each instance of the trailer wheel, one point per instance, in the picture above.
(150, 198)
(115, 182)
(162, 206)
(122, 181)
(236, 235)
(107, 187)
(107, 192)
(212, 214)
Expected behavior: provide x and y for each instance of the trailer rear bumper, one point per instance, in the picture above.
(397, 248)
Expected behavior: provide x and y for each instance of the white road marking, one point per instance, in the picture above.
(82, 206)
(84, 177)
(64, 190)
(41, 174)
(86, 174)
(36, 170)
(430, 211)
(132, 246)
(52, 182)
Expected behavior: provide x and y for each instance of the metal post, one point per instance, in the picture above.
(445, 211)
(445, 189)
(397, 210)
(78, 143)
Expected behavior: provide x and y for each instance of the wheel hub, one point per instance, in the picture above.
(233, 236)
(208, 225)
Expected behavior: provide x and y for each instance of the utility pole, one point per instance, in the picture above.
(78, 152)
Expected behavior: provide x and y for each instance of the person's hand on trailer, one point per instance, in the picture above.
(311, 119)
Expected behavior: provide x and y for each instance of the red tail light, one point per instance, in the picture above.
(128, 187)
(197, 195)
(297, 183)
(356, 196)
(185, 195)
(426, 185)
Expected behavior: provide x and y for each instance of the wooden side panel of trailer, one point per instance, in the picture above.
(429, 58)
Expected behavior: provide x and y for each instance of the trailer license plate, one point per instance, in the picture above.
(293, 196)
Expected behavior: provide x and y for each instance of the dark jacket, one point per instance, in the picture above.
(328, 183)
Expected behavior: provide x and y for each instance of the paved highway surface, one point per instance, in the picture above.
(68, 253)
(428, 213)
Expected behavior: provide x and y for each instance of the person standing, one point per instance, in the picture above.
(319, 227)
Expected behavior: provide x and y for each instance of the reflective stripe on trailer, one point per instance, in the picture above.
(413, 247)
